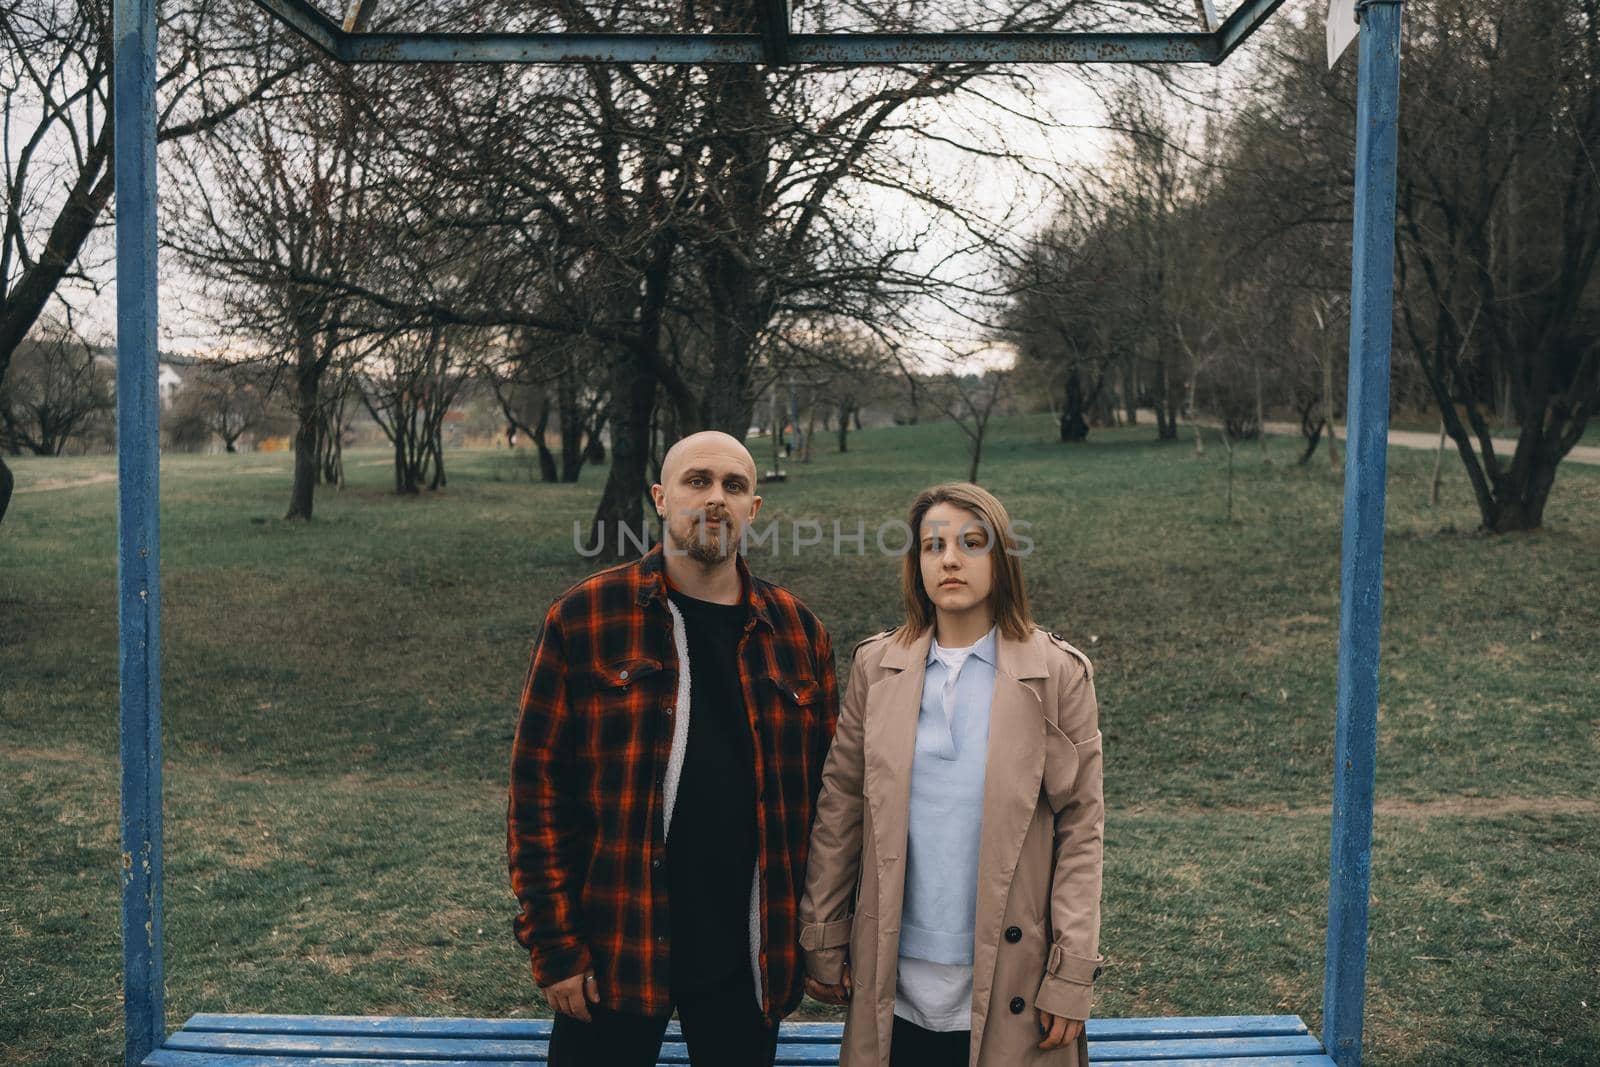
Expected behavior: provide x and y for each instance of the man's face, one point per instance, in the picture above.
(707, 498)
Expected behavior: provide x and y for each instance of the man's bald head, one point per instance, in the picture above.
(705, 446)
(707, 495)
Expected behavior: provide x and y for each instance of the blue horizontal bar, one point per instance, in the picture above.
(1223, 1061)
(833, 49)
(1181, 1026)
(482, 1049)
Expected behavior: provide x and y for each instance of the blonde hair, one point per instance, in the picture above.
(1008, 595)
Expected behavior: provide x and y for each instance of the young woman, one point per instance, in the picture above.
(953, 887)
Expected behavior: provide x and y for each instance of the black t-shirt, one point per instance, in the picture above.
(711, 843)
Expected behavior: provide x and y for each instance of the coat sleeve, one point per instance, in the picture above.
(828, 906)
(1074, 962)
(544, 827)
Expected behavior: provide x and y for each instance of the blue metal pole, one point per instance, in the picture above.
(138, 543)
(1366, 466)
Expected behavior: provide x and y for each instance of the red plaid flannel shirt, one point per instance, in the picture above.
(584, 821)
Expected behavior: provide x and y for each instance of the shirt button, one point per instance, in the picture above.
(1017, 1004)
(1013, 934)
(656, 863)
(623, 676)
(667, 709)
(661, 939)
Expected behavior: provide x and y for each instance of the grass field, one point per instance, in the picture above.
(339, 701)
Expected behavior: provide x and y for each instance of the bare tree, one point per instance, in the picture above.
(55, 107)
(225, 400)
(275, 201)
(970, 401)
(55, 390)
(408, 384)
(1500, 210)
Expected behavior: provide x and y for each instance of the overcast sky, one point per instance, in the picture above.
(1054, 129)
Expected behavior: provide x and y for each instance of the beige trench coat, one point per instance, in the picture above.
(1038, 864)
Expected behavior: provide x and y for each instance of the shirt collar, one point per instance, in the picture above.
(984, 649)
(653, 583)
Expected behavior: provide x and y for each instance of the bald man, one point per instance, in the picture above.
(667, 760)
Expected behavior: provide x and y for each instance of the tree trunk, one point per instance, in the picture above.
(1438, 468)
(794, 420)
(405, 475)
(308, 379)
(1194, 413)
(621, 511)
(7, 482)
(1073, 426)
(547, 461)
(1130, 390)
(775, 428)
(632, 399)
(739, 304)
(571, 417)
(1166, 410)
(844, 425)
(436, 447)
(811, 428)
(1311, 444)
(1327, 412)
(1261, 416)
(1229, 442)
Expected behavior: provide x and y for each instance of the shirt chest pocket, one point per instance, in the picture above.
(795, 696)
(617, 702)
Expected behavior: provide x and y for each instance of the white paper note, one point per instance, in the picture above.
(1342, 28)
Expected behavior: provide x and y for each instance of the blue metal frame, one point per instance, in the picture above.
(138, 402)
(138, 529)
(1361, 577)
(775, 43)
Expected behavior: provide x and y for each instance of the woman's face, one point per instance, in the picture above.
(955, 555)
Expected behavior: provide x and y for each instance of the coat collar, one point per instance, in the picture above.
(652, 582)
(1019, 659)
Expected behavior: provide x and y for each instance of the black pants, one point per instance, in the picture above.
(723, 1027)
(912, 1046)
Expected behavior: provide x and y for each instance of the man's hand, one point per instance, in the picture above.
(1059, 1031)
(830, 994)
(572, 996)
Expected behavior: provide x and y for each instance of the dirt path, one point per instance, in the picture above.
(49, 484)
(1430, 441)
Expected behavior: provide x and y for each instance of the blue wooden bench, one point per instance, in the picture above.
(367, 1040)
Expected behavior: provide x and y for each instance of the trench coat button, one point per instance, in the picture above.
(1013, 934)
(1017, 1004)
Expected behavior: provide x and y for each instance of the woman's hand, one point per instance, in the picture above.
(830, 994)
(1059, 1031)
